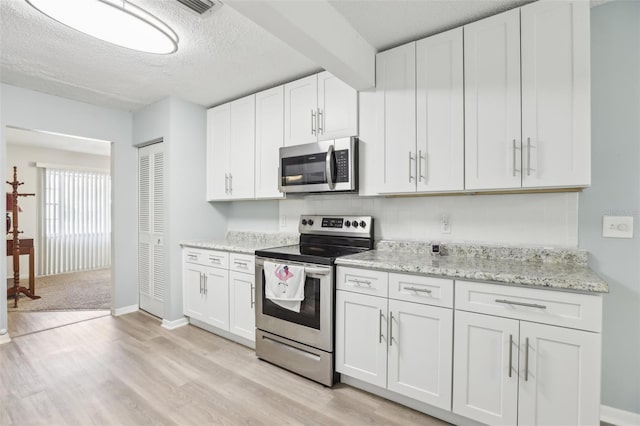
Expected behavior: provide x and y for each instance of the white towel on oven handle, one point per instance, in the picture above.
(284, 284)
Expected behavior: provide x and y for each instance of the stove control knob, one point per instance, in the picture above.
(363, 224)
(347, 223)
(310, 222)
(304, 221)
(355, 224)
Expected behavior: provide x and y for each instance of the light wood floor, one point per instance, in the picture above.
(21, 323)
(128, 370)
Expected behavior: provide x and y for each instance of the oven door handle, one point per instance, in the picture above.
(317, 271)
(328, 168)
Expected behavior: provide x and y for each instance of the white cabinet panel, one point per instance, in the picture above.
(485, 380)
(337, 108)
(300, 111)
(559, 376)
(218, 148)
(396, 85)
(241, 303)
(492, 102)
(269, 139)
(195, 305)
(216, 290)
(420, 352)
(241, 159)
(556, 94)
(440, 112)
(361, 343)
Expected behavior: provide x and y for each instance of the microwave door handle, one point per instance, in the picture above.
(330, 181)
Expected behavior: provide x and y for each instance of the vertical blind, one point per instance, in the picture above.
(75, 231)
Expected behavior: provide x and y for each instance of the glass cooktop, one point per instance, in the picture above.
(318, 254)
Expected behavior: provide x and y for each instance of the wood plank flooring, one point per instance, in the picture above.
(21, 323)
(128, 370)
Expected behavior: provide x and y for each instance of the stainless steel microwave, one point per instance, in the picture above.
(320, 167)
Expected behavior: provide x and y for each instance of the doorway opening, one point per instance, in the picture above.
(68, 224)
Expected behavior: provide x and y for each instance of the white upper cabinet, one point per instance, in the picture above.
(269, 139)
(300, 111)
(337, 108)
(440, 112)
(492, 102)
(230, 150)
(396, 92)
(319, 107)
(218, 145)
(556, 127)
(241, 159)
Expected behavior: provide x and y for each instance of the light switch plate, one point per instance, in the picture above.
(617, 226)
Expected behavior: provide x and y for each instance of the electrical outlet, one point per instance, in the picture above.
(445, 227)
(617, 226)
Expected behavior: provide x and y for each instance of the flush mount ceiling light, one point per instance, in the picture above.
(116, 22)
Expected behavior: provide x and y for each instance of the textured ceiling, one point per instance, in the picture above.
(50, 140)
(221, 56)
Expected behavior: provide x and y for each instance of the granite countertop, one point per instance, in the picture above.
(562, 269)
(245, 242)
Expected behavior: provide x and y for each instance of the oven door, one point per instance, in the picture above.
(313, 325)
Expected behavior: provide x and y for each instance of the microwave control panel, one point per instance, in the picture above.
(342, 165)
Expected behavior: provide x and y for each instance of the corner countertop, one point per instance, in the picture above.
(245, 242)
(564, 269)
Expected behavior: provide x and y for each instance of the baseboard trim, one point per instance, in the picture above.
(124, 310)
(5, 338)
(172, 325)
(618, 417)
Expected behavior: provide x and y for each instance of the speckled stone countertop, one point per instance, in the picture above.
(245, 242)
(561, 269)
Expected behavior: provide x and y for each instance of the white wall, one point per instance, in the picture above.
(529, 219)
(24, 157)
(615, 170)
(33, 110)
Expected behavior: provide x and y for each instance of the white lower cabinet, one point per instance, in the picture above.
(242, 319)
(398, 345)
(218, 291)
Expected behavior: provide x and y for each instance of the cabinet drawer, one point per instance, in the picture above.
(242, 263)
(575, 310)
(421, 289)
(363, 281)
(217, 259)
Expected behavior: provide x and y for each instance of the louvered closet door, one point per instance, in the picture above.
(151, 275)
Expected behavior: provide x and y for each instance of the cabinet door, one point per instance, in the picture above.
(396, 84)
(361, 337)
(556, 129)
(492, 102)
(193, 285)
(269, 139)
(559, 376)
(218, 144)
(241, 160)
(300, 111)
(216, 292)
(337, 108)
(420, 352)
(440, 112)
(241, 305)
(485, 378)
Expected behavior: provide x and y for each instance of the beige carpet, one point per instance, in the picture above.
(77, 290)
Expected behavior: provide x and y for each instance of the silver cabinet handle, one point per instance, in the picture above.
(313, 119)
(419, 161)
(514, 157)
(201, 284)
(528, 156)
(422, 290)
(526, 360)
(192, 256)
(206, 284)
(253, 302)
(510, 353)
(358, 282)
(240, 263)
(214, 259)
(380, 327)
(230, 183)
(410, 160)
(529, 305)
(390, 328)
(329, 159)
(320, 121)
(226, 183)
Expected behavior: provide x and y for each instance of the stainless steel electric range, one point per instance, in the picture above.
(303, 342)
